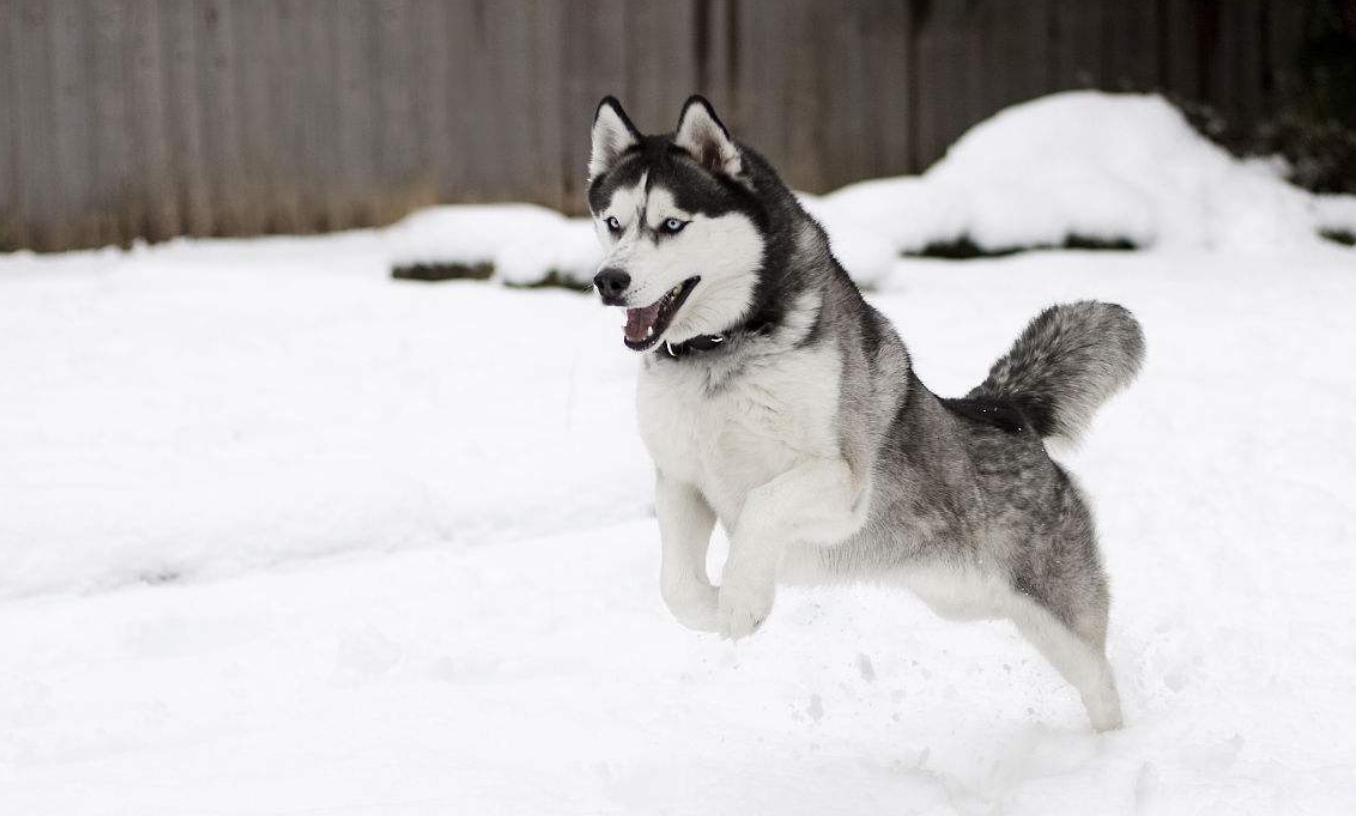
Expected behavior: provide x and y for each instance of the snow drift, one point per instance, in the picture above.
(492, 640)
(1091, 165)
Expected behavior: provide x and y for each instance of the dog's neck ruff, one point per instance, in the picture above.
(700, 343)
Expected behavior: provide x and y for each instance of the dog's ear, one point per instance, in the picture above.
(613, 135)
(701, 134)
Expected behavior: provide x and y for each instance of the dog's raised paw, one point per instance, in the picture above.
(694, 606)
(743, 609)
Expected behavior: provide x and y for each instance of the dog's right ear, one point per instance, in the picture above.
(705, 138)
(613, 135)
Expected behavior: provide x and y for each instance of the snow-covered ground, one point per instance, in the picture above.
(492, 639)
(280, 535)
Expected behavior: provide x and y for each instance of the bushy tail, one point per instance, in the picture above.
(1067, 362)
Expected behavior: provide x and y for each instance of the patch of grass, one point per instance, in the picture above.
(432, 273)
(965, 249)
(443, 271)
(1339, 236)
(1100, 244)
(555, 279)
(961, 249)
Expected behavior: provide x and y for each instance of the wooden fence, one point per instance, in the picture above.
(153, 118)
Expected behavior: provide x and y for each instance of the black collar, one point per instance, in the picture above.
(698, 344)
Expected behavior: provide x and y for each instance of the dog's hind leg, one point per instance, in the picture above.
(1077, 652)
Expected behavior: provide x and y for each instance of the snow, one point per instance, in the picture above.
(524, 243)
(207, 415)
(282, 535)
(1092, 165)
(486, 634)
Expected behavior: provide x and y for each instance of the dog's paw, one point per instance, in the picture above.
(743, 607)
(693, 604)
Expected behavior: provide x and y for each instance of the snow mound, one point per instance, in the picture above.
(1090, 165)
(524, 243)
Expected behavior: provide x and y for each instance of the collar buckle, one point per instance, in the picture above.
(702, 342)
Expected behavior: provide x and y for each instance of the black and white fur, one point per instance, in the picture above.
(775, 399)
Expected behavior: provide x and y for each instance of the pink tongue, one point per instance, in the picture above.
(639, 321)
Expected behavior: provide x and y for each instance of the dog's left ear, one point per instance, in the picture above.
(613, 135)
(701, 134)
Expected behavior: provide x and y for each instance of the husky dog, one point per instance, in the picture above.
(775, 399)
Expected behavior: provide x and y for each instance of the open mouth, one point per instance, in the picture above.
(644, 326)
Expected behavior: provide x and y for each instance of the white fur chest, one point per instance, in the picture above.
(749, 428)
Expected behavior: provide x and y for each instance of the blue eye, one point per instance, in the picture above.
(613, 224)
(672, 225)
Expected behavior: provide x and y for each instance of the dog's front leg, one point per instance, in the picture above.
(818, 501)
(685, 525)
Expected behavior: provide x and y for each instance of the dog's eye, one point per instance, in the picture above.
(613, 224)
(672, 225)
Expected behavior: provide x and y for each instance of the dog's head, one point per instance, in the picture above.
(678, 221)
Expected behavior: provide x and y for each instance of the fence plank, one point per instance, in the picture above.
(715, 54)
(763, 35)
(1130, 38)
(595, 65)
(319, 107)
(661, 60)
(72, 122)
(38, 186)
(218, 101)
(887, 39)
(184, 113)
(547, 54)
(1079, 43)
(398, 160)
(283, 33)
(801, 120)
(943, 82)
(118, 209)
(358, 129)
(144, 100)
(1007, 52)
(508, 41)
(259, 142)
(1183, 32)
(1284, 39)
(431, 118)
(1238, 60)
(838, 137)
(11, 211)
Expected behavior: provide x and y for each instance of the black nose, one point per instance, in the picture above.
(611, 283)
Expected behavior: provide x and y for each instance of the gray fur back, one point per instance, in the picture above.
(1067, 362)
